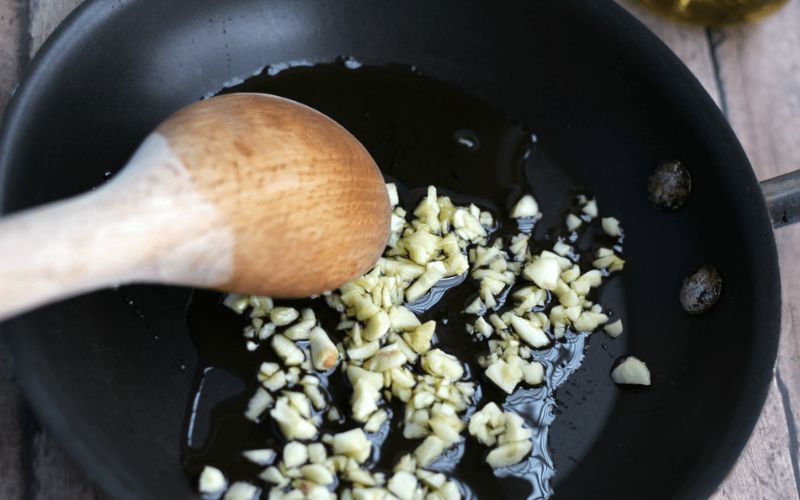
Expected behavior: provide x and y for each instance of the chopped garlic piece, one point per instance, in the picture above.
(236, 302)
(631, 371)
(352, 443)
(242, 491)
(402, 319)
(571, 274)
(299, 401)
(386, 358)
(562, 248)
(211, 481)
(434, 271)
(497, 322)
(515, 429)
(482, 327)
(394, 199)
(421, 245)
(589, 321)
(590, 209)
(429, 450)
(533, 372)
(448, 491)
(289, 353)
(274, 382)
(438, 363)
(403, 485)
(300, 330)
(528, 332)
(377, 326)
(369, 494)
(447, 428)
(260, 401)
(294, 454)
(317, 473)
(606, 259)
(482, 422)
(273, 475)
(291, 423)
(573, 222)
(260, 457)
(356, 374)
(364, 400)
(324, 354)
(433, 480)
(420, 339)
(364, 351)
(508, 454)
(611, 226)
(505, 375)
(475, 307)
(316, 453)
(376, 421)
(282, 316)
(525, 207)
(614, 329)
(545, 272)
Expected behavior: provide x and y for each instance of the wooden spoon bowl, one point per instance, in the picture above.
(244, 192)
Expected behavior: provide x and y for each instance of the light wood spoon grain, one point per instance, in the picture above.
(244, 192)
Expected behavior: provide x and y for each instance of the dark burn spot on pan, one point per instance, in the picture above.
(701, 289)
(669, 186)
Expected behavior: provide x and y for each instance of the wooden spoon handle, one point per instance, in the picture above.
(59, 250)
(144, 226)
(246, 192)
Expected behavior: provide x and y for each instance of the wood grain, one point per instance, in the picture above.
(323, 209)
(689, 43)
(12, 473)
(744, 69)
(322, 212)
(45, 16)
(756, 68)
(12, 29)
(39, 468)
(760, 70)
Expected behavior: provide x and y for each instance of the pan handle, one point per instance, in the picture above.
(782, 195)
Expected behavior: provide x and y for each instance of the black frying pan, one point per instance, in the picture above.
(110, 373)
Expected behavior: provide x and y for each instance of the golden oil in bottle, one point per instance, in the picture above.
(715, 12)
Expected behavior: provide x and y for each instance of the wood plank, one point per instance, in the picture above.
(768, 466)
(764, 471)
(12, 473)
(751, 82)
(45, 16)
(54, 475)
(689, 43)
(12, 26)
(764, 109)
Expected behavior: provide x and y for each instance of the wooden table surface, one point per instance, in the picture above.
(753, 73)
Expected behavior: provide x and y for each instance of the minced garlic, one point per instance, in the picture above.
(526, 301)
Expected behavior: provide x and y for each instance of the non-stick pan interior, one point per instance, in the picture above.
(111, 372)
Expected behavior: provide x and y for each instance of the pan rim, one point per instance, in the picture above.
(91, 14)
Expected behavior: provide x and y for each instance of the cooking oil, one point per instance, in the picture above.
(421, 132)
(715, 13)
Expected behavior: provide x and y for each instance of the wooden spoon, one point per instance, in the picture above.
(244, 192)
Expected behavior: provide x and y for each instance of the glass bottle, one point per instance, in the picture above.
(715, 13)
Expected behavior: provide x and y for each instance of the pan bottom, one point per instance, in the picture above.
(421, 132)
